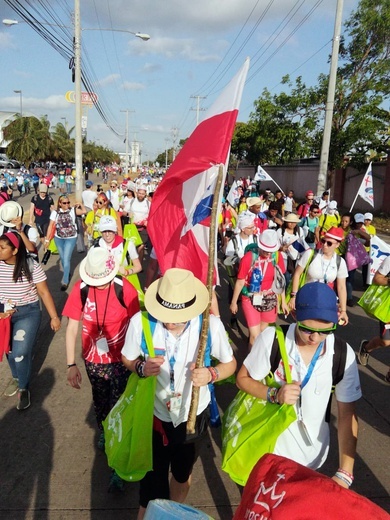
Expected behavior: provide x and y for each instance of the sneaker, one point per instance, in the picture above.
(363, 355)
(24, 400)
(12, 387)
(101, 442)
(116, 483)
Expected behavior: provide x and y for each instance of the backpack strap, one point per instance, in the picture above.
(148, 328)
(338, 369)
(118, 287)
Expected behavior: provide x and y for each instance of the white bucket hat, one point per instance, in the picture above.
(8, 211)
(176, 297)
(268, 241)
(98, 267)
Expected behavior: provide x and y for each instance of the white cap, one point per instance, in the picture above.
(368, 216)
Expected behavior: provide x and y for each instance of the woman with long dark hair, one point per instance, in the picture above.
(22, 282)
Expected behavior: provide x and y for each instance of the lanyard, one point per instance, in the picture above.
(100, 329)
(172, 358)
(312, 365)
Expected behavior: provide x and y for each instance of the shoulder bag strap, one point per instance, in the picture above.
(147, 333)
(283, 352)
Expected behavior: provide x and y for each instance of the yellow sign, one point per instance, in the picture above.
(87, 98)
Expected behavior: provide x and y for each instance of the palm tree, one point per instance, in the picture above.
(29, 138)
(64, 145)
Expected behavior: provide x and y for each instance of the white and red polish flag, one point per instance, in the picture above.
(180, 214)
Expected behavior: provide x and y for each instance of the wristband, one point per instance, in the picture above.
(72, 365)
(272, 395)
(139, 368)
(345, 479)
(214, 373)
(293, 294)
(345, 473)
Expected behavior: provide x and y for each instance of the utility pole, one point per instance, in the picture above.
(166, 152)
(324, 160)
(127, 141)
(174, 134)
(77, 88)
(197, 106)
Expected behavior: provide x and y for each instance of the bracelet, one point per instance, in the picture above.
(47, 240)
(345, 473)
(214, 373)
(72, 365)
(139, 368)
(272, 395)
(345, 479)
(293, 294)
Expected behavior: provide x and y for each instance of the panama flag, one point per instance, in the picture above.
(179, 220)
(366, 190)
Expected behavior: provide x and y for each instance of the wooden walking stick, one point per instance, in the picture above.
(206, 315)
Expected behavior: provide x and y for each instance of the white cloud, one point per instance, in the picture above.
(108, 80)
(129, 85)
(6, 41)
(175, 48)
(149, 68)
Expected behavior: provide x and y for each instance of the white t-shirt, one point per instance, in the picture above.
(88, 197)
(314, 396)
(117, 250)
(321, 269)
(241, 245)
(184, 350)
(139, 210)
(114, 198)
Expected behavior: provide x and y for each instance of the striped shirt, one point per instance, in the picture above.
(21, 292)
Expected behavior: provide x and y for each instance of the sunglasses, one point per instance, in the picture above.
(62, 202)
(329, 244)
(101, 202)
(113, 186)
(315, 212)
(309, 330)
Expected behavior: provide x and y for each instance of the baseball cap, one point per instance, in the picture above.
(43, 187)
(368, 216)
(88, 184)
(359, 218)
(316, 301)
(332, 204)
(107, 223)
(309, 193)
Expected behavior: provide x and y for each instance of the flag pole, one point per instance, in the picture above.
(353, 203)
(206, 315)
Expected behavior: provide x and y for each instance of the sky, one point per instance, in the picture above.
(195, 48)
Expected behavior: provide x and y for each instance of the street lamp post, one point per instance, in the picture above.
(77, 79)
(21, 101)
(127, 142)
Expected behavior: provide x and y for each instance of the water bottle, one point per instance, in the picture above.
(256, 280)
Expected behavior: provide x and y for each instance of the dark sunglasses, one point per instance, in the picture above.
(315, 212)
(62, 202)
(309, 330)
(329, 244)
(101, 202)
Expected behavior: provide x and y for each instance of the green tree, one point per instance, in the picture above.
(360, 120)
(64, 145)
(29, 139)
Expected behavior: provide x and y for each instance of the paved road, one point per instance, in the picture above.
(50, 468)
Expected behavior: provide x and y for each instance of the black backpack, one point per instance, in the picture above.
(338, 367)
(118, 286)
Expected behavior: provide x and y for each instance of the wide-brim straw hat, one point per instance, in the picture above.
(99, 267)
(292, 217)
(176, 297)
(8, 211)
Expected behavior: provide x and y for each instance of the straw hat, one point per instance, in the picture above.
(8, 211)
(253, 201)
(176, 297)
(98, 267)
(268, 241)
(292, 217)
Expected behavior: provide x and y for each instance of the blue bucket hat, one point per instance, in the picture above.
(316, 301)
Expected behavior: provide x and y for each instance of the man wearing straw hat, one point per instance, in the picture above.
(175, 303)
